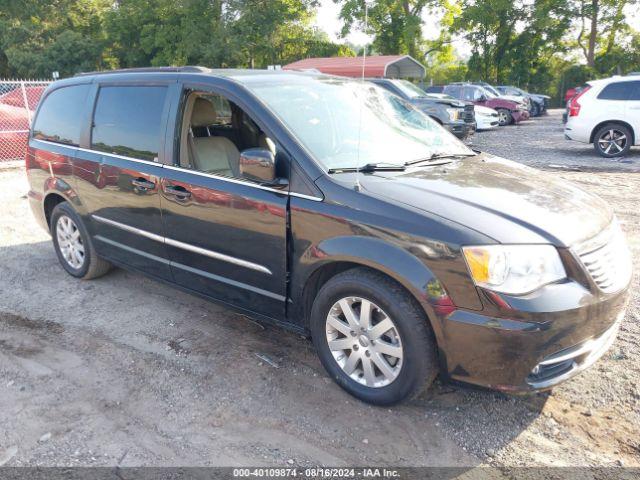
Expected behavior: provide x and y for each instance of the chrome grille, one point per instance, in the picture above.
(469, 114)
(607, 259)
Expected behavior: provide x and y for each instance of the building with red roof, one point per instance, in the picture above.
(389, 66)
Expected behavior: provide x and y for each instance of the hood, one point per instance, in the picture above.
(496, 103)
(501, 199)
(480, 110)
(514, 98)
(539, 95)
(419, 102)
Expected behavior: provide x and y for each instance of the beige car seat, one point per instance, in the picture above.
(216, 155)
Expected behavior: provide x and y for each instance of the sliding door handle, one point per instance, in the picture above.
(177, 191)
(143, 184)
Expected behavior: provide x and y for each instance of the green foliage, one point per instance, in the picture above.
(540, 45)
(69, 36)
(395, 24)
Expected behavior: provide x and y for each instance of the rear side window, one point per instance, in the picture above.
(127, 121)
(635, 91)
(60, 116)
(616, 91)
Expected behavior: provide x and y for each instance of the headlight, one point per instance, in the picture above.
(514, 269)
(454, 113)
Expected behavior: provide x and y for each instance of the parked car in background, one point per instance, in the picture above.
(538, 103)
(571, 92)
(14, 119)
(524, 101)
(508, 111)
(453, 114)
(16, 97)
(397, 268)
(14, 127)
(486, 118)
(606, 113)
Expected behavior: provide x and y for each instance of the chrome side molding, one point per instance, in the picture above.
(184, 246)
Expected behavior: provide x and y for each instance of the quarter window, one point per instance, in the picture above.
(60, 117)
(127, 121)
(616, 91)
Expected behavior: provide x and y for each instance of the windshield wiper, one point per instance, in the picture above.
(370, 167)
(439, 156)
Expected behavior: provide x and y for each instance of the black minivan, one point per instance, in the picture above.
(334, 208)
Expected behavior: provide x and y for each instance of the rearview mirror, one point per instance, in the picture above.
(258, 164)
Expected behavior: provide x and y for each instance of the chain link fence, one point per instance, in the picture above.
(18, 102)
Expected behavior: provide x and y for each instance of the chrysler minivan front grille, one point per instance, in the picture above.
(607, 259)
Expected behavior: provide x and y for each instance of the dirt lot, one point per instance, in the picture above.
(124, 370)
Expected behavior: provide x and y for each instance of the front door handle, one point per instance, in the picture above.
(177, 191)
(143, 184)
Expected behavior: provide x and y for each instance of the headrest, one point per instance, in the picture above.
(203, 114)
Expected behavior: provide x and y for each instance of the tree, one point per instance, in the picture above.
(395, 24)
(601, 22)
(265, 29)
(40, 37)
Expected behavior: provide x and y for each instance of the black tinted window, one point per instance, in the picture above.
(635, 91)
(127, 121)
(60, 116)
(616, 91)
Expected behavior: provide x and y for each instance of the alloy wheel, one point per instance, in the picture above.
(364, 342)
(612, 141)
(70, 242)
(503, 117)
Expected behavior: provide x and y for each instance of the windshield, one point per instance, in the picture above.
(491, 90)
(325, 113)
(409, 89)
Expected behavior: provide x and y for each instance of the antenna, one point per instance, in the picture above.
(356, 186)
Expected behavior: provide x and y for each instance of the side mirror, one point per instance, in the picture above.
(259, 165)
(482, 98)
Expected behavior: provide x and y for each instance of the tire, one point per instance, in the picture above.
(612, 140)
(411, 338)
(535, 110)
(70, 235)
(504, 117)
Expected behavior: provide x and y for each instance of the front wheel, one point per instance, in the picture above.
(373, 338)
(612, 140)
(504, 117)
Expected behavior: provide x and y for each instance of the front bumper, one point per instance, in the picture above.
(551, 336)
(487, 122)
(562, 365)
(461, 129)
(520, 115)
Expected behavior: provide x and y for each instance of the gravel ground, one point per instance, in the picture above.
(126, 371)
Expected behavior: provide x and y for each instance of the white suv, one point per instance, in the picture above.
(606, 113)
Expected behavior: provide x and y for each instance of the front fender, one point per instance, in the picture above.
(384, 257)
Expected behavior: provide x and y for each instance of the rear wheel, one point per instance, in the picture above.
(612, 140)
(373, 338)
(504, 117)
(73, 244)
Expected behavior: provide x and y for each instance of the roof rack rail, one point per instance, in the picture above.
(187, 69)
